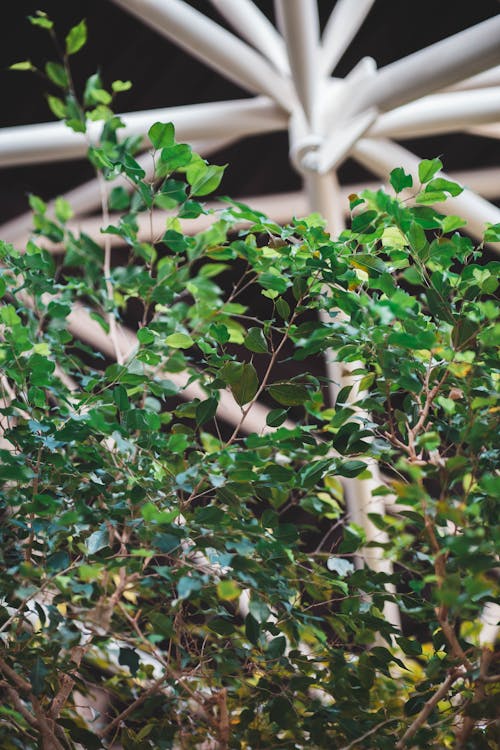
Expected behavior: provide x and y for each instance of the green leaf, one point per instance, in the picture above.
(409, 646)
(400, 180)
(289, 394)
(120, 397)
(276, 647)
(57, 107)
(76, 38)
(255, 341)
(450, 223)
(41, 19)
(62, 210)
(57, 74)
(175, 156)
(188, 585)
(282, 308)
(252, 629)
(447, 186)
(179, 341)
(276, 417)
(203, 178)
(245, 388)
(175, 241)
(119, 199)
(492, 233)
(38, 675)
(128, 657)
(162, 134)
(428, 168)
(205, 410)
(119, 86)
(282, 713)
(340, 566)
(22, 65)
(228, 590)
(350, 468)
(97, 540)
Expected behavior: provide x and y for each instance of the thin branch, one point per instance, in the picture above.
(130, 708)
(371, 731)
(18, 704)
(429, 706)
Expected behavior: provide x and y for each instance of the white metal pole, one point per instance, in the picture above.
(212, 44)
(325, 196)
(381, 156)
(440, 113)
(487, 131)
(252, 25)
(51, 141)
(334, 149)
(345, 20)
(442, 64)
(488, 78)
(301, 32)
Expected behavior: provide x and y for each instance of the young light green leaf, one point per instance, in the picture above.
(119, 86)
(76, 38)
(205, 178)
(57, 74)
(428, 168)
(42, 20)
(22, 65)
(57, 107)
(179, 341)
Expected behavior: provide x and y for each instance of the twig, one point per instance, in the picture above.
(371, 731)
(130, 708)
(479, 693)
(429, 707)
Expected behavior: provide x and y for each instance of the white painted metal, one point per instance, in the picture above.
(301, 32)
(345, 20)
(442, 64)
(489, 77)
(487, 131)
(380, 156)
(51, 141)
(252, 25)
(335, 149)
(440, 113)
(87, 197)
(212, 44)
(325, 196)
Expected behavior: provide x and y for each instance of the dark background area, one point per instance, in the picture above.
(164, 75)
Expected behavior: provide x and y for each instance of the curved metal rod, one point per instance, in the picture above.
(213, 45)
(51, 141)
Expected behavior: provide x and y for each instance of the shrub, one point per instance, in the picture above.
(200, 578)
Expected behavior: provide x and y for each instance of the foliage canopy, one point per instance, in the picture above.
(201, 580)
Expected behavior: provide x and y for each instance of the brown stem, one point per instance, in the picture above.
(127, 711)
(429, 706)
(267, 374)
(479, 694)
